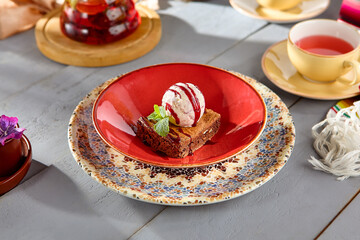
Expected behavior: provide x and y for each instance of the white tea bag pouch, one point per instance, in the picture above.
(337, 141)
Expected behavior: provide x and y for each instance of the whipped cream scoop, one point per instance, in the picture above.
(185, 104)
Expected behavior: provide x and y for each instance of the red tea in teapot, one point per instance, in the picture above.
(99, 21)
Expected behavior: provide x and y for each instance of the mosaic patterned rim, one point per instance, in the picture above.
(214, 183)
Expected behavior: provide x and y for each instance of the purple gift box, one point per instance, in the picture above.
(350, 12)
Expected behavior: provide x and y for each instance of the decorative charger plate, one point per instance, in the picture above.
(305, 10)
(278, 69)
(125, 100)
(184, 186)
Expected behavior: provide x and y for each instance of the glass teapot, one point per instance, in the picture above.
(98, 21)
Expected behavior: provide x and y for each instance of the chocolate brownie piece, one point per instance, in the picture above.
(181, 141)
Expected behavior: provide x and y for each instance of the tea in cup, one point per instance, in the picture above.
(278, 4)
(324, 50)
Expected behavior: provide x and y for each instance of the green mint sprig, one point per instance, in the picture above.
(162, 120)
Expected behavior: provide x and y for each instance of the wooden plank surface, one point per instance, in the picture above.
(246, 56)
(296, 204)
(52, 205)
(346, 225)
(43, 94)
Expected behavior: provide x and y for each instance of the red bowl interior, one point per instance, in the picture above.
(8, 183)
(122, 103)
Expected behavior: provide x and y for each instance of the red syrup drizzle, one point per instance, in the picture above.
(175, 92)
(174, 136)
(189, 136)
(144, 120)
(194, 101)
(173, 113)
(169, 108)
(210, 142)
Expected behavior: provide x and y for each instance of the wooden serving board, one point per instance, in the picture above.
(56, 46)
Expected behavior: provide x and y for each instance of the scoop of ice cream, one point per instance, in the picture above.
(185, 104)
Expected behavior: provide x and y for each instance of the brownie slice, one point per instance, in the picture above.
(181, 141)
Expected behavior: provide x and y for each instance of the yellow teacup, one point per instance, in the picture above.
(278, 4)
(324, 50)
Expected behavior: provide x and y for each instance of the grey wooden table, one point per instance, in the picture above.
(58, 200)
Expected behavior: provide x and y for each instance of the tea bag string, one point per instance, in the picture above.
(337, 141)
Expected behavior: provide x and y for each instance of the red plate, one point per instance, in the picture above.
(119, 106)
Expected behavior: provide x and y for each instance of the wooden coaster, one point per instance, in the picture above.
(56, 46)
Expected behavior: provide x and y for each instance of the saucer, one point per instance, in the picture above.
(306, 9)
(278, 69)
(8, 183)
(213, 183)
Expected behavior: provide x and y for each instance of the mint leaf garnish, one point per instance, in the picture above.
(162, 127)
(159, 115)
(157, 109)
(154, 116)
(163, 112)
